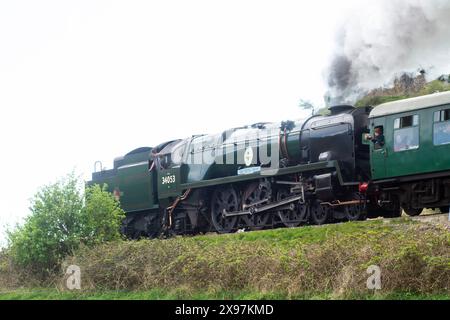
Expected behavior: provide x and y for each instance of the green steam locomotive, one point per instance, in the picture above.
(352, 164)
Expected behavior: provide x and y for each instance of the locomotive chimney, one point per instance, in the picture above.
(340, 108)
(336, 103)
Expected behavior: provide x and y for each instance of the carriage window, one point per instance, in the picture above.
(406, 133)
(443, 115)
(406, 122)
(437, 116)
(397, 123)
(441, 129)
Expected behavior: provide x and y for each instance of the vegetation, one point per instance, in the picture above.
(428, 88)
(404, 87)
(180, 294)
(327, 262)
(377, 100)
(62, 219)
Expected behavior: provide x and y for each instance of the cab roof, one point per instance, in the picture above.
(411, 104)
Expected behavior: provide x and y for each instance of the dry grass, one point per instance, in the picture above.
(413, 257)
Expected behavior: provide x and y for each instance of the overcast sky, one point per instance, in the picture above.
(82, 81)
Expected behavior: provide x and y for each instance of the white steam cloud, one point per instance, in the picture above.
(384, 38)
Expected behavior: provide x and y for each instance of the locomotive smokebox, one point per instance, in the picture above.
(340, 108)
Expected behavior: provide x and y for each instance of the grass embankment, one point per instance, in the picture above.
(328, 262)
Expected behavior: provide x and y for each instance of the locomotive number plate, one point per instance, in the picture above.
(168, 179)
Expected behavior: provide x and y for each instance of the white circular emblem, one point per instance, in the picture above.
(248, 156)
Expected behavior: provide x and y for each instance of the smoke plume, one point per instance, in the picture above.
(384, 38)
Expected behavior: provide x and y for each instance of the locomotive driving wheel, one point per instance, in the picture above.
(355, 212)
(319, 213)
(291, 218)
(223, 200)
(256, 194)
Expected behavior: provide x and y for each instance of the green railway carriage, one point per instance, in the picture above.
(414, 162)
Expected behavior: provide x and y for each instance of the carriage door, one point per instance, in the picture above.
(378, 151)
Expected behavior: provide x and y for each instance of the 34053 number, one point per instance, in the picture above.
(168, 179)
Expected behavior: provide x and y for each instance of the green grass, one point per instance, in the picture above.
(305, 234)
(285, 238)
(156, 294)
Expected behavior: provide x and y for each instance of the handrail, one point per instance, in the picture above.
(96, 163)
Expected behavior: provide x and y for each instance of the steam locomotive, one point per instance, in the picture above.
(320, 170)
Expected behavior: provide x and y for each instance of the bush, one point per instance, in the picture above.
(60, 220)
(101, 216)
(435, 86)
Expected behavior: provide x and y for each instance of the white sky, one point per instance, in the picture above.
(82, 81)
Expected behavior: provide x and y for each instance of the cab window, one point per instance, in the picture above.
(441, 127)
(406, 133)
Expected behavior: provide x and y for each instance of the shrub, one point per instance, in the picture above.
(434, 86)
(101, 216)
(60, 221)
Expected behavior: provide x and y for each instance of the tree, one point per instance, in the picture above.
(306, 105)
(61, 219)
